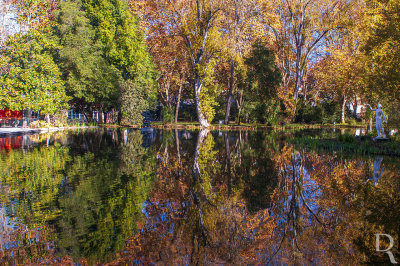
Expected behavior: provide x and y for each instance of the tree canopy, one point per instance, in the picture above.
(89, 78)
(30, 78)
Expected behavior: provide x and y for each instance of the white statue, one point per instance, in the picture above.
(379, 115)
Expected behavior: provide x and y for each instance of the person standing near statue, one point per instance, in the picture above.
(379, 115)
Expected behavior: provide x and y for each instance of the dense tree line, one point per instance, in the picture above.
(89, 54)
(329, 54)
(258, 61)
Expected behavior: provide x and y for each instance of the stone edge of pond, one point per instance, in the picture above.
(18, 131)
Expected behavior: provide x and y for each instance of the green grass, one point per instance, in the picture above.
(348, 145)
(196, 125)
(175, 124)
(233, 126)
(76, 124)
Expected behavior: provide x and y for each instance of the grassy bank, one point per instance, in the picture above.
(347, 145)
(242, 126)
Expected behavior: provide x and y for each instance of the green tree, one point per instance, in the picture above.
(122, 39)
(263, 78)
(89, 78)
(123, 46)
(30, 78)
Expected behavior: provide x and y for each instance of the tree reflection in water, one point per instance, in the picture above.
(193, 197)
(87, 196)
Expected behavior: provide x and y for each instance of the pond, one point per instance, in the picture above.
(193, 197)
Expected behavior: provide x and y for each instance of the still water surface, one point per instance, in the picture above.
(189, 197)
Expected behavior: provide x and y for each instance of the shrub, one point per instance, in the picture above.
(39, 124)
(331, 112)
(263, 112)
(187, 113)
(322, 112)
(271, 109)
(306, 113)
(168, 114)
(352, 121)
(136, 97)
(57, 123)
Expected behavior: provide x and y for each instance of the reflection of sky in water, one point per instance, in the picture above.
(153, 221)
(15, 234)
(309, 187)
(8, 229)
(310, 191)
(8, 19)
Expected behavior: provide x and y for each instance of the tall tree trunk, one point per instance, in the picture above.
(119, 117)
(343, 109)
(294, 111)
(298, 73)
(228, 104)
(239, 103)
(167, 93)
(305, 85)
(177, 103)
(299, 40)
(204, 123)
(197, 59)
(231, 80)
(87, 119)
(297, 84)
(355, 106)
(47, 118)
(101, 120)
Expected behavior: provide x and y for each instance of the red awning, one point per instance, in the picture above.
(6, 113)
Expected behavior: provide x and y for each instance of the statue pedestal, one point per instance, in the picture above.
(377, 139)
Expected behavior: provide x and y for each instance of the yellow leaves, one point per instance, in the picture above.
(137, 7)
(343, 71)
